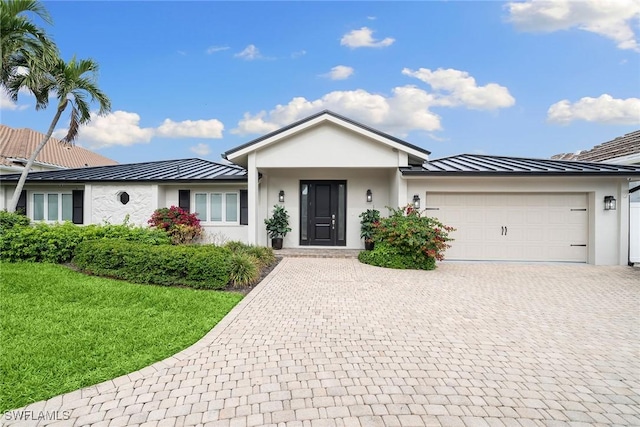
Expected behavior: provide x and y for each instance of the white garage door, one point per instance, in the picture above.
(514, 227)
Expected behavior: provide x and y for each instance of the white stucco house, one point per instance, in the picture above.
(327, 169)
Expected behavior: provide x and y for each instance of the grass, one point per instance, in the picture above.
(61, 330)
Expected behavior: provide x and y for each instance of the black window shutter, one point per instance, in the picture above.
(184, 200)
(21, 207)
(244, 207)
(78, 206)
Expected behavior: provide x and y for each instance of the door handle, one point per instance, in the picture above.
(502, 232)
(333, 222)
(506, 230)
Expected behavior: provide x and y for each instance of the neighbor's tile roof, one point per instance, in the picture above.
(475, 164)
(622, 146)
(20, 143)
(182, 170)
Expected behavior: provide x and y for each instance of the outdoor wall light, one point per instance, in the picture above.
(609, 203)
(281, 196)
(416, 201)
(369, 196)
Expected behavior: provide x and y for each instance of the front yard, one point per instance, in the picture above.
(61, 330)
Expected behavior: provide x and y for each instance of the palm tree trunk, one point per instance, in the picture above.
(23, 177)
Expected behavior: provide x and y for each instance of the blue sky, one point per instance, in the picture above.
(194, 79)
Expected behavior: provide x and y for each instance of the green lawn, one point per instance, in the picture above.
(61, 330)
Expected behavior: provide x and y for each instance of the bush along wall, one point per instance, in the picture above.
(57, 243)
(408, 240)
(195, 266)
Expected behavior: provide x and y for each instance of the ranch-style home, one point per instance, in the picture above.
(327, 169)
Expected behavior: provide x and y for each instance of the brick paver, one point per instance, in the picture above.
(331, 342)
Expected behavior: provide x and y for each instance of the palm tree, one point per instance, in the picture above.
(74, 84)
(24, 46)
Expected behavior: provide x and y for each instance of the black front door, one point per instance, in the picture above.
(323, 207)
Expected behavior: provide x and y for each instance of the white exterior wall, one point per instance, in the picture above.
(326, 146)
(105, 203)
(358, 182)
(213, 233)
(608, 230)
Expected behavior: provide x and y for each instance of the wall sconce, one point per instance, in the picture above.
(281, 196)
(609, 203)
(369, 196)
(416, 201)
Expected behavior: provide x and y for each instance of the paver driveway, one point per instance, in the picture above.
(331, 342)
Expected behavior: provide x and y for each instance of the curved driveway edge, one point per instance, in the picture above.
(332, 342)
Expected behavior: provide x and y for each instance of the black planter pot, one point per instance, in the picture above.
(368, 245)
(276, 243)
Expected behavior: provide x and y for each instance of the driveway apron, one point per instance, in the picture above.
(332, 342)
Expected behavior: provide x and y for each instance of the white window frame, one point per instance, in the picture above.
(46, 194)
(206, 218)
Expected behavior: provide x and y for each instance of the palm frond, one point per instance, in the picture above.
(74, 125)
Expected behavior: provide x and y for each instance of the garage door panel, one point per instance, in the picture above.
(539, 227)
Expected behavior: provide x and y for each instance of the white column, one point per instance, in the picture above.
(252, 199)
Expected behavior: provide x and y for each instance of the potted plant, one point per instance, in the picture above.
(277, 226)
(369, 218)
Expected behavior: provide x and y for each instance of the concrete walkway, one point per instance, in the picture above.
(332, 342)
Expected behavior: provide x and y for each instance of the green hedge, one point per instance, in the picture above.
(196, 266)
(385, 255)
(57, 243)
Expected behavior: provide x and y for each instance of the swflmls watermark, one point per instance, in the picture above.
(37, 415)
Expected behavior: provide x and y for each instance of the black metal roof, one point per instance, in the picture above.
(182, 170)
(314, 116)
(476, 164)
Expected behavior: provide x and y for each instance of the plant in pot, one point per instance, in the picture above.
(368, 221)
(277, 226)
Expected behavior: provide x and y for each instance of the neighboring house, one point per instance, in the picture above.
(16, 146)
(623, 150)
(322, 170)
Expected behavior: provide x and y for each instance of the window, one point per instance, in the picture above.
(217, 207)
(52, 207)
(124, 197)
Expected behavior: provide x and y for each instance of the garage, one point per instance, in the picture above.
(514, 226)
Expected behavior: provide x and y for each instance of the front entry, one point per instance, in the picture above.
(323, 213)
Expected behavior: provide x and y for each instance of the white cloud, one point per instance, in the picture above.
(7, 104)
(461, 89)
(116, 128)
(298, 54)
(201, 149)
(604, 109)
(122, 128)
(190, 129)
(214, 49)
(339, 72)
(408, 108)
(364, 38)
(249, 53)
(613, 19)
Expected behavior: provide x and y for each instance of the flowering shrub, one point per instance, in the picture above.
(411, 238)
(183, 227)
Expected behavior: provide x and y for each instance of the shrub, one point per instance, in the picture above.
(11, 219)
(196, 266)
(182, 226)
(243, 269)
(406, 239)
(385, 255)
(264, 256)
(57, 242)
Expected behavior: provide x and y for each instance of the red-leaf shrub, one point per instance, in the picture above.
(182, 226)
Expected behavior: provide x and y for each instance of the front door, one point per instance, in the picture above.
(323, 208)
